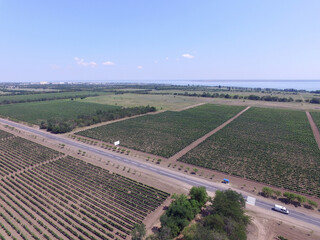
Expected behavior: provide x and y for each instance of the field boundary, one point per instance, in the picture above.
(200, 140)
(314, 128)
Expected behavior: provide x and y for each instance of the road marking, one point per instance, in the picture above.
(251, 200)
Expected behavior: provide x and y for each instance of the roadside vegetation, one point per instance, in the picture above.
(271, 146)
(289, 198)
(166, 133)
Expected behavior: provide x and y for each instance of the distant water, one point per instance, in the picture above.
(308, 85)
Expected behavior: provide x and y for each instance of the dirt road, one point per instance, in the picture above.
(314, 128)
(200, 140)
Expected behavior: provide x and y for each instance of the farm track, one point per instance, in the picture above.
(188, 107)
(200, 140)
(314, 128)
(110, 122)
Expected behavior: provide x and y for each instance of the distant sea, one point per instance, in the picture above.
(309, 85)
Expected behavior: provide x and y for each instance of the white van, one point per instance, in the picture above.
(281, 209)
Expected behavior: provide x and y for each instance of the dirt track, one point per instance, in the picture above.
(314, 128)
(200, 140)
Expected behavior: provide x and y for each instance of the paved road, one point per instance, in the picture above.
(168, 173)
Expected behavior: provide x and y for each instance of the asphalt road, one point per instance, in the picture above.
(167, 173)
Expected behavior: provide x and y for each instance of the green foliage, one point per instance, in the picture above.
(312, 203)
(36, 112)
(58, 125)
(138, 232)
(264, 145)
(226, 219)
(166, 133)
(230, 204)
(35, 97)
(182, 210)
(267, 192)
(199, 194)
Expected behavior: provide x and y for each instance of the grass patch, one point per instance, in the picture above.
(161, 102)
(272, 146)
(164, 134)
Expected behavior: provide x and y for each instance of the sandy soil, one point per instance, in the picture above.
(314, 128)
(268, 225)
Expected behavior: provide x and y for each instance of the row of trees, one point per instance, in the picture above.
(290, 198)
(228, 96)
(223, 219)
(61, 125)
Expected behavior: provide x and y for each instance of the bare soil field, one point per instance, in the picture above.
(269, 226)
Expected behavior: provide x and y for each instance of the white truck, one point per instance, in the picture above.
(281, 209)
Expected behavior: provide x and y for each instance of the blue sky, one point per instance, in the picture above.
(159, 40)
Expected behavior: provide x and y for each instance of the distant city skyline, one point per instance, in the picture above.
(158, 41)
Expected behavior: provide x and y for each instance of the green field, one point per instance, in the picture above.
(164, 134)
(5, 99)
(316, 118)
(161, 102)
(272, 146)
(35, 112)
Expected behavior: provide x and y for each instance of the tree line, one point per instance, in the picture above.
(62, 125)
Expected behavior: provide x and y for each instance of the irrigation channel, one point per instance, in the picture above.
(158, 170)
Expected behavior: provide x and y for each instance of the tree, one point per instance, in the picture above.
(267, 192)
(199, 194)
(290, 196)
(230, 204)
(138, 232)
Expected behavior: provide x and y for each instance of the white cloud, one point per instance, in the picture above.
(167, 58)
(55, 66)
(139, 67)
(80, 61)
(108, 63)
(187, 55)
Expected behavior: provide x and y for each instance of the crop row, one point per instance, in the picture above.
(316, 118)
(271, 146)
(70, 199)
(18, 153)
(4, 135)
(167, 133)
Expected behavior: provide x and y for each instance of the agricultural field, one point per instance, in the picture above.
(316, 118)
(71, 199)
(45, 96)
(161, 102)
(35, 112)
(271, 146)
(166, 133)
(17, 153)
